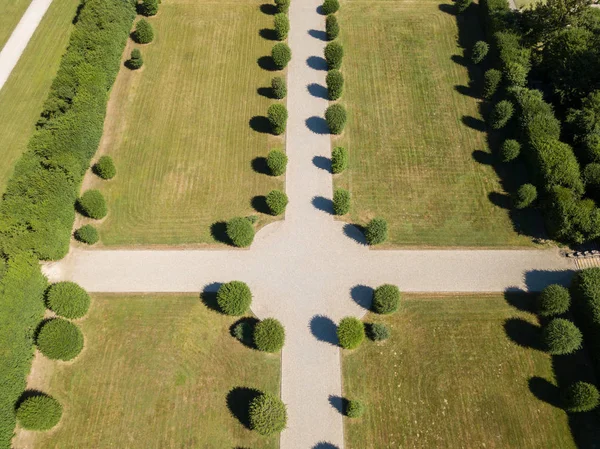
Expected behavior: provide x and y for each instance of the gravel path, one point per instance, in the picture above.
(16, 44)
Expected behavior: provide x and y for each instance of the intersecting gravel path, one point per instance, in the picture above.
(16, 44)
(309, 270)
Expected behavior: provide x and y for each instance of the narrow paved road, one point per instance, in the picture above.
(16, 44)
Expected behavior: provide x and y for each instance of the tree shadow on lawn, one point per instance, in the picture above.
(474, 123)
(209, 296)
(260, 124)
(322, 162)
(259, 165)
(268, 34)
(318, 34)
(29, 393)
(355, 232)
(483, 157)
(362, 295)
(520, 300)
(267, 63)
(501, 200)
(324, 329)
(259, 203)
(471, 90)
(268, 9)
(238, 403)
(247, 325)
(266, 92)
(339, 403)
(544, 390)
(524, 333)
(218, 231)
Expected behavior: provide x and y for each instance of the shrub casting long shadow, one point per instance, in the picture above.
(268, 34)
(266, 92)
(318, 91)
(209, 296)
(259, 165)
(324, 329)
(268, 9)
(247, 325)
(259, 203)
(317, 125)
(322, 162)
(355, 232)
(318, 34)
(545, 390)
(524, 333)
(267, 63)
(218, 231)
(362, 295)
(316, 63)
(324, 445)
(339, 403)
(238, 403)
(260, 124)
(323, 204)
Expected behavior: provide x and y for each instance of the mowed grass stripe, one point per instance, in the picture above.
(179, 129)
(411, 156)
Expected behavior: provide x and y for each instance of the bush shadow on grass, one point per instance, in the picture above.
(238, 403)
(483, 157)
(317, 125)
(318, 34)
(218, 231)
(29, 393)
(266, 92)
(323, 204)
(362, 295)
(339, 403)
(318, 91)
(544, 390)
(520, 300)
(260, 124)
(317, 63)
(448, 9)
(259, 165)
(501, 200)
(474, 123)
(322, 162)
(324, 329)
(267, 63)
(268, 9)
(524, 333)
(259, 203)
(268, 34)
(209, 296)
(355, 232)
(247, 325)
(470, 91)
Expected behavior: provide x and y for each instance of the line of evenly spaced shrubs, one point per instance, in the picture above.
(335, 115)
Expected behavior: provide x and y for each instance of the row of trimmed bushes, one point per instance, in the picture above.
(335, 115)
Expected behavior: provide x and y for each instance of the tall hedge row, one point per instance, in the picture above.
(585, 293)
(38, 209)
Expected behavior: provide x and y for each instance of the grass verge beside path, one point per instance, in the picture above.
(12, 11)
(180, 130)
(27, 88)
(155, 373)
(418, 153)
(451, 377)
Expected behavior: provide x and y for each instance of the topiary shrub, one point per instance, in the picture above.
(277, 162)
(144, 33)
(334, 53)
(479, 52)
(281, 24)
(515, 74)
(277, 115)
(67, 299)
(491, 81)
(279, 87)
(341, 201)
(87, 234)
(92, 204)
(39, 412)
(281, 55)
(332, 28)
(501, 114)
(379, 332)
(277, 202)
(330, 7)
(135, 61)
(240, 231)
(554, 300)
(463, 5)
(580, 397)
(354, 408)
(282, 5)
(510, 150)
(234, 298)
(105, 168)
(350, 332)
(561, 337)
(149, 7)
(59, 339)
(335, 84)
(525, 196)
(267, 414)
(386, 299)
(376, 231)
(269, 335)
(335, 115)
(339, 160)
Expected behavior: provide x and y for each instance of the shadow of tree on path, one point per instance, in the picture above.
(209, 296)
(355, 232)
(362, 295)
(324, 329)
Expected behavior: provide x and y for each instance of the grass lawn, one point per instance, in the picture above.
(155, 373)
(26, 90)
(414, 132)
(12, 11)
(179, 129)
(450, 377)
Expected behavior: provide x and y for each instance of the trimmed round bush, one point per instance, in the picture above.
(269, 335)
(281, 24)
(561, 337)
(240, 231)
(501, 114)
(277, 115)
(68, 299)
(149, 7)
(87, 234)
(491, 81)
(379, 332)
(336, 117)
(105, 167)
(515, 74)
(144, 33)
(59, 339)
(525, 196)
(39, 412)
(339, 160)
(386, 299)
(279, 87)
(510, 150)
(354, 409)
(479, 52)
(330, 6)
(234, 298)
(281, 55)
(376, 231)
(335, 84)
(135, 61)
(350, 332)
(334, 53)
(277, 162)
(332, 28)
(92, 204)
(554, 300)
(277, 202)
(580, 397)
(341, 201)
(282, 5)
(267, 414)
(463, 5)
